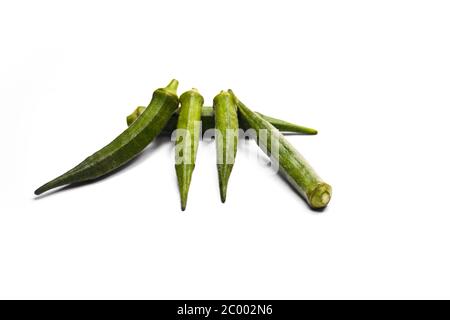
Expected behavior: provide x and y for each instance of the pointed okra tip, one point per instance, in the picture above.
(223, 193)
(223, 185)
(172, 86)
(183, 203)
(184, 190)
(44, 188)
(224, 172)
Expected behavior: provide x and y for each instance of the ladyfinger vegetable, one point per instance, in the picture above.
(127, 145)
(227, 130)
(208, 122)
(187, 138)
(297, 171)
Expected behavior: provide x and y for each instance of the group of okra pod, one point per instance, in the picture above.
(167, 113)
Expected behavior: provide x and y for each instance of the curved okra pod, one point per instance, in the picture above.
(227, 131)
(187, 138)
(208, 122)
(298, 172)
(127, 145)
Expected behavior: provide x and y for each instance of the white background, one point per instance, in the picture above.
(372, 76)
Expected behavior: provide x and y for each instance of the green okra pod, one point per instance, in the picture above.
(227, 131)
(296, 169)
(187, 139)
(127, 145)
(208, 122)
(286, 126)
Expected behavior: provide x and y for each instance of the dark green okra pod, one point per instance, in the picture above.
(227, 131)
(187, 138)
(297, 171)
(127, 145)
(208, 122)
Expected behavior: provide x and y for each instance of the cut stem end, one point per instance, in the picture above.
(172, 86)
(320, 196)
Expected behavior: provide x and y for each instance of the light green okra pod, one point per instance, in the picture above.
(294, 167)
(208, 122)
(227, 131)
(127, 145)
(187, 139)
